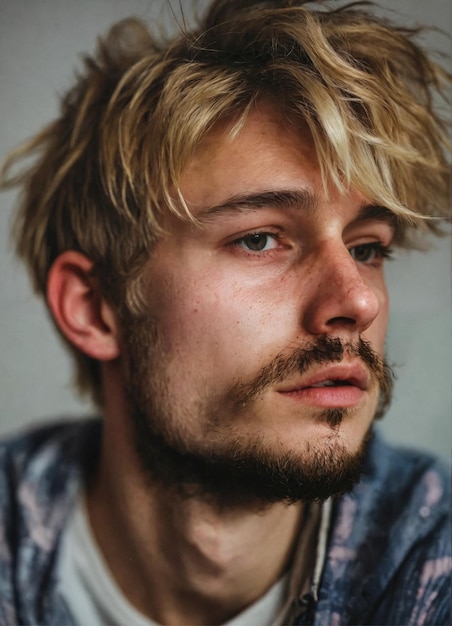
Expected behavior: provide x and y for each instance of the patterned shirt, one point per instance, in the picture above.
(388, 558)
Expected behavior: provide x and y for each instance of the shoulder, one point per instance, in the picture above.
(399, 486)
(40, 472)
(45, 451)
(40, 460)
(389, 555)
(404, 485)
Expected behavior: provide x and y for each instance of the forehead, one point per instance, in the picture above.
(267, 153)
(267, 163)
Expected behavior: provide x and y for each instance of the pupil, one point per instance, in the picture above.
(256, 242)
(362, 253)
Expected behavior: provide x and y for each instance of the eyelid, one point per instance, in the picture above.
(376, 230)
(270, 231)
(266, 233)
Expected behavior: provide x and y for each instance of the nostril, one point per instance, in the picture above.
(342, 321)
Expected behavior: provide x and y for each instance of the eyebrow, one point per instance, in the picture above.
(370, 212)
(302, 199)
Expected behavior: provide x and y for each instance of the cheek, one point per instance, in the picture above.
(214, 322)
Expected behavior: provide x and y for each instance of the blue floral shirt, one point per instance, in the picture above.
(388, 559)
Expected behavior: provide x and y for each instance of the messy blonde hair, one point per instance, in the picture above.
(104, 173)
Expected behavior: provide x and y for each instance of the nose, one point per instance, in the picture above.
(341, 298)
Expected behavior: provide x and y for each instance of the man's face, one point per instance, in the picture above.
(255, 317)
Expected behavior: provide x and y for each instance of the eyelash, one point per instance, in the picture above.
(379, 250)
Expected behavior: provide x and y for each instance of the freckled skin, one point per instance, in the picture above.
(224, 311)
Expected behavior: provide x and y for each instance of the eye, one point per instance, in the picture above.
(257, 242)
(370, 252)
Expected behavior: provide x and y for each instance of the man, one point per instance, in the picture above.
(208, 220)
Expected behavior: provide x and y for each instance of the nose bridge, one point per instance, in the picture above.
(339, 294)
(340, 269)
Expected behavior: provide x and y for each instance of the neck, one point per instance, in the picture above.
(183, 560)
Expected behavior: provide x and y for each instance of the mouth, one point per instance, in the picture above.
(338, 386)
(332, 383)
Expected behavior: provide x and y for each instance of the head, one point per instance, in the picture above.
(121, 179)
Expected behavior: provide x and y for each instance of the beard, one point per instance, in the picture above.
(236, 468)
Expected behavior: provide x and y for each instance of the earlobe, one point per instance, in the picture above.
(79, 309)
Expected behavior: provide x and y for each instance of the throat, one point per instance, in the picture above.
(184, 562)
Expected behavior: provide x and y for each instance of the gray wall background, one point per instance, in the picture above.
(40, 45)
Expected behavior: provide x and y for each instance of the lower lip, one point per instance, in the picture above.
(345, 397)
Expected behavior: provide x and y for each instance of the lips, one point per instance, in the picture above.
(354, 375)
(342, 385)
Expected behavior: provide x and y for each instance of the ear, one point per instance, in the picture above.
(79, 309)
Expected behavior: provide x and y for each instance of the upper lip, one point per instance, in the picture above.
(354, 374)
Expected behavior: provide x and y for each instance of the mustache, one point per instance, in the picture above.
(324, 349)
